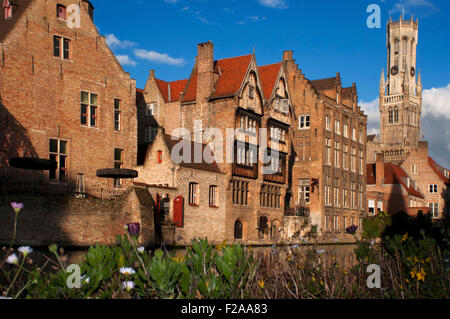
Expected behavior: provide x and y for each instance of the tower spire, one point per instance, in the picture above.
(382, 83)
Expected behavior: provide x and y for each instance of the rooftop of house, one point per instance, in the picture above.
(439, 170)
(206, 165)
(393, 175)
(324, 84)
(269, 74)
(171, 90)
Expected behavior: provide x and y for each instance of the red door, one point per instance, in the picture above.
(178, 219)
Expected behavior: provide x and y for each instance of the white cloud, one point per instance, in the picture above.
(125, 60)
(276, 4)
(251, 19)
(371, 109)
(113, 42)
(158, 57)
(436, 101)
(171, 1)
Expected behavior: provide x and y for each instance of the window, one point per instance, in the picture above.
(61, 11)
(8, 9)
(433, 189)
(337, 154)
(405, 46)
(238, 229)
(270, 196)
(336, 196)
(434, 209)
(354, 134)
(345, 198)
(263, 227)
(118, 162)
(58, 154)
(337, 127)
(360, 196)
(353, 160)
(345, 132)
(396, 46)
(328, 123)
(159, 158)
(391, 116)
(150, 133)
(304, 122)
(193, 194)
(246, 154)
(328, 151)
(414, 169)
(353, 196)
(150, 109)
(327, 195)
(335, 223)
(396, 114)
(251, 91)
(89, 105)
(240, 193)
(61, 47)
(117, 113)
(304, 191)
(380, 206)
(404, 63)
(361, 136)
(361, 162)
(371, 206)
(345, 158)
(247, 124)
(213, 199)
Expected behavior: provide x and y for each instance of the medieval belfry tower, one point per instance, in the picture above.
(400, 92)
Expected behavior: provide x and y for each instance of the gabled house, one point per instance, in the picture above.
(391, 189)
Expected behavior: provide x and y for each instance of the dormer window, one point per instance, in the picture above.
(61, 11)
(8, 9)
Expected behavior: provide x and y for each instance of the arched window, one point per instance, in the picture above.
(238, 229)
(391, 116)
(405, 46)
(396, 115)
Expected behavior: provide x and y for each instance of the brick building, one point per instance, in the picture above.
(65, 97)
(391, 189)
(236, 94)
(328, 160)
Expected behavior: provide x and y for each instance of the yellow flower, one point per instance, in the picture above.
(421, 275)
(250, 248)
(345, 272)
(416, 260)
(289, 258)
(178, 259)
(313, 279)
(413, 273)
(401, 287)
(407, 281)
(261, 284)
(405, 237)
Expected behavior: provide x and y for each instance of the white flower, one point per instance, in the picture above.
(127, 271)
(128, 285)
(321, 251)
(1, 297)
(141, 250)
(12, 259)
(84, 279)
(25, 250)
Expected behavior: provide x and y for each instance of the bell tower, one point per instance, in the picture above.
(400, 91)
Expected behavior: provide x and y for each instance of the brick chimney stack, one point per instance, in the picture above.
(205, 70)
(423, 149)
(379, 169)
(288, 55)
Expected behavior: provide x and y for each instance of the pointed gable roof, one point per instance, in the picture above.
(439, 170)
(269, 75)
(231, 73)
(393, 175)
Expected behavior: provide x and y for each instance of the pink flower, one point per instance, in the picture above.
(17, 207)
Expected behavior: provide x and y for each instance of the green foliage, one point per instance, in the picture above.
(375, 227)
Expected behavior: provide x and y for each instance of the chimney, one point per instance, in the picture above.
(379, 169)
(423, 148)
(288, 55)
(205, 70)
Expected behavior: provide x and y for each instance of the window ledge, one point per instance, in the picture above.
(213, 206)
(194, 205)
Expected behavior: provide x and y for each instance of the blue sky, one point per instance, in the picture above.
(327, 37)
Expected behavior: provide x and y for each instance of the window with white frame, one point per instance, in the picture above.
(433, 189)
(371, 206)
(353, 195)
(361, 136)
(213, 198)
(361, 162)
(354, 134)
(59, 154)
(414, 169)
(150, 109)
(61, 47)
(337, 127)
(327, 195)
(304, 191)
(335, 223)
(380, 206)
(304, 122)
(328, 123)
(337, 153)
(353, 160)
(345, 131)
(434, 209)
(193, 194)
(345, 157)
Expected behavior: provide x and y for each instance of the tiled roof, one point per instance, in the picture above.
(205, 166)
(231, 75)
(269, 74)
(171, 90)
(439, 170)
(324, 84)
(393, 175)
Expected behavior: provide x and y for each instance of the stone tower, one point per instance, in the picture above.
(400, 92)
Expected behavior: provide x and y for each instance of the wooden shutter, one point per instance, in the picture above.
(178, 216)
